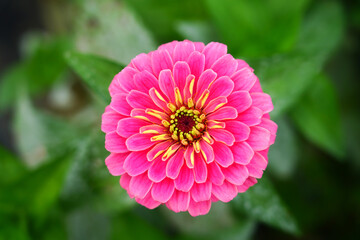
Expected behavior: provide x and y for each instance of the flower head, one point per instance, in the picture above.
(187, 125)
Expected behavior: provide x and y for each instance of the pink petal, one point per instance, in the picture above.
(169, 47)
(199, 46)
(187, 155)
(223, 86)
(126, 78)
(179, 201)
(248, 183)
(137, 99)
(241, 64)
(196, 63)
(183, 50)
(142, 62)
(148, 201)
(120, 105)
(201, 192)
(225, 192)
(139, 142)
(157, 171)
(144, 81)
(244, 79)
(160, 147)
(256, 87)
(215, 104)
(240, 100)
(223, 114)
(199, 208)
(207, 151)
(251, 116)
(240, 130)
(129, 126)
(167, 84)
(114, 87)
(215, 174)
(185, 180)
(181, 71)
(256, 166)
(259, 138)
(204, 82)
(225, 66)
(161, 60)
(136, 163)
(115, 163)
(140, 185)
(110, 121)
(125, 181)
(213, 51)
(223, 154)
(200, 169)
(186, 91)
(236, 174)
(262, 101)
(140, 113)
(242, 152)
(221, 135)
(115, 143)
(271, 126)
(159, 101)
(163, 190)
(175, 163)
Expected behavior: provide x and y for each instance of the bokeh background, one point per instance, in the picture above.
(57, 58)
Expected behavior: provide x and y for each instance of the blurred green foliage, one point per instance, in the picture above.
(56, 185)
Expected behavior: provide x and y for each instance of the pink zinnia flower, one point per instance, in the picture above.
(187, 125)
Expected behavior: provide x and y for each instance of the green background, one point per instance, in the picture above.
(57, 58)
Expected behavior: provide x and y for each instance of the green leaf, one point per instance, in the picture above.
(318, 117)
(11, 167)
(117, 35)
(257, 28)
(95, 71)
(286, 77)
(263, 203)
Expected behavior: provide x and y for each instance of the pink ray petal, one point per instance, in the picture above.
(241, 64)
(223, 113)
(129, 126)
(136, 163)
(169, 47)
(240, 100)
(199, 46)
(200, 169)
(271, 126)
(183, 50)
(114, 87)
(163, 190)
(125, 183)
(259, 138)
(256, 166)
(251, 116)
(188, 153)
(110, 121)
(144, 81)
(248, 183)
(206, 79)
(126, 78)
(207, 151)
(157, 171)
(225, 66)
(139, 142)
(167, 84)
(199, 208)
(225, 192)
(185, 180)
(223, 86)
(240, 130)
(256, 87)
(221, 135)
(244, 79)
(159, 101)
(242, 152)
(215, 104)
(181, 71)
(236, 174)
(212, 52)
(115, 163)
(120, 105)
(201, 192)
(179, 201)
(115, 143)
(142, 62)
(159, 147)
(196, 63)
(223, 154)
(140, 185)
(137, 99)
(215, 174)
(148, 201)
(175, 163)
(262, 101)
(161, 60)
(186, 91)
(141, 114)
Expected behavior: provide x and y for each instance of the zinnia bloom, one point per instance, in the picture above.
(187, 125)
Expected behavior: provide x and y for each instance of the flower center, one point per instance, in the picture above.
(187, 125)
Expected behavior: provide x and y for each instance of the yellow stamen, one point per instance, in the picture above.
(165, 123)
(175, 137)
(197, 146)
(190, 103)
(171, 106)
(189, 137)
(184, 142)
(195, 131)
(160, 137)
(196, 112)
